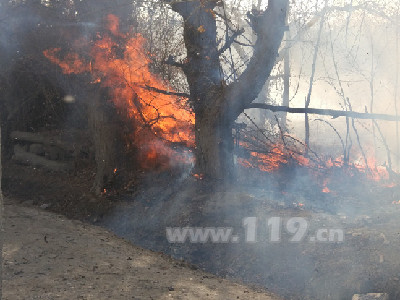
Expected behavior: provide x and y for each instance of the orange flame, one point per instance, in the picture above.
(280, 156)
(70, 64)
(325, 187)
(272, 161)
(119, 62)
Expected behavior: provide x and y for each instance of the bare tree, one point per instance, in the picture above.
(217, 104)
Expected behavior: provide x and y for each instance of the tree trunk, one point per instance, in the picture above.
(214, 141)
(286, 83)
(104, 126)
(214, 146)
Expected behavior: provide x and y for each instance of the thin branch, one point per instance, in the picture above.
(347, 105)
(230, 40)
(334, 129)
(311, 83)
(154, 89)
(243, 44)
(326, 10)
(326, 112)
(385, 144)
(280, 131)
(258, 128)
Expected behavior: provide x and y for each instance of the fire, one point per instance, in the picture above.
(119, 62)
(273, 160)
(198, 176)
(372, 170)
(71, 62)
(267, 162)
(322, 171)
(325, 187)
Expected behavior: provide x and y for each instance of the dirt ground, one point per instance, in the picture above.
(47, 256)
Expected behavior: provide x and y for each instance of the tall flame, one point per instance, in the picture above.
(119, 62)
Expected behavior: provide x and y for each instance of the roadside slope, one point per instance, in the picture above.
(46, 256)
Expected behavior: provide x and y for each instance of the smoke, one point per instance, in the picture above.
(351, 59)
(357, 60)
(356, 69)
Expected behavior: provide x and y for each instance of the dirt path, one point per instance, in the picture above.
(47, 256)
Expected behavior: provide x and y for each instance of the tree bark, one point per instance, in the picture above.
(102, 118)
(214, 145)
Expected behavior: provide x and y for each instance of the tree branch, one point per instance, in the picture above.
(328, 9)
(154, 89)
(326, 112)
(269, 26)
(229, 41)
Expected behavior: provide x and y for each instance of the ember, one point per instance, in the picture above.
(198, 176)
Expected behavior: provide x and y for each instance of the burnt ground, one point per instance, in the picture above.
(65, 193)
(367, 260)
